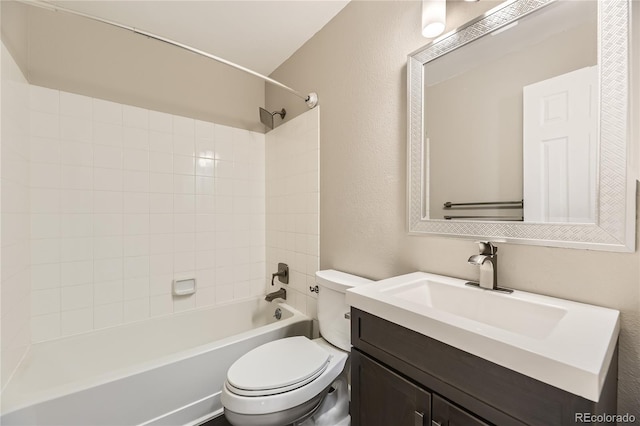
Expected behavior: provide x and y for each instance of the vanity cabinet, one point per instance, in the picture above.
(400, 377)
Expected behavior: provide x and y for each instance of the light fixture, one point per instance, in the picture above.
(434, 14)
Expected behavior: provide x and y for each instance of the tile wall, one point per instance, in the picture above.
(292, 160)
(14, 208)
(124, 200)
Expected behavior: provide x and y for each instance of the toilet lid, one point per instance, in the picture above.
(279, 364)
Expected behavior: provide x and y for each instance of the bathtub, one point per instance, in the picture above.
(163, 371)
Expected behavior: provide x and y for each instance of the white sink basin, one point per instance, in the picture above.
(562, 343)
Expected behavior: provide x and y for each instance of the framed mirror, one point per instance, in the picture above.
(518, 127)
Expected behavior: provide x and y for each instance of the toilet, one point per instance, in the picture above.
(296, 380)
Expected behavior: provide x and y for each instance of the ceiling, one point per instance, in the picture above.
(257, 34)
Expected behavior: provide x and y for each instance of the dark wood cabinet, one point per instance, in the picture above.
(400, 377)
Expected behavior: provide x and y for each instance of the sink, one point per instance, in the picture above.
(563, 343)
(536, 320)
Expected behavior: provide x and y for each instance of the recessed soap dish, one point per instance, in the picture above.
(184, 287)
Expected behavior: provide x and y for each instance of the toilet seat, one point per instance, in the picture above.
(287, 399)
(277, 367)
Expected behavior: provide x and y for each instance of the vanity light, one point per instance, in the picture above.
(433, 17)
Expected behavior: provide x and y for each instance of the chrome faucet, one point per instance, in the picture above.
(282, 294)
(487, 260)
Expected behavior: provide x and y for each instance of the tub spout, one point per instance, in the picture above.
(282, 294)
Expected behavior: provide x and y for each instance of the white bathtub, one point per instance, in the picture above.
(163, 371)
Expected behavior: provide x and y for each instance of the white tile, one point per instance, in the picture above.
(205, 167)
(136, 202)
(205, 148)
(108, 270)
(160, 243)
(76, 273)
(107, 112)
(43, 150)
(205, 185)
(224, 169)
(108, 292)
(183, 184)
(205, 241)
(75, 249)
(76, 201)
(161, 264)
(136, 245)
(205, 222)
(160, 142)
(136, 310)
(75, 105)
(135, 117)
(206, 296)
(135, 138)
(44, 200)
(183, 223)
(107, 179)
(184, 303)
(45, 251)
(75, 129)
(107, 247)
(160, 284)
(44, 125)
(107, 134)
(183, 125)
(74, 322)
(109, 157)
(184, 242)
(135, 267)
(136, 159)
(183, 262)
(160, 305)
(45, 276)
(136, 224)
(224, 293)
(161, 183)
(107, 315)
(205, 204)
(45, 225)
(136, 288)
(160, 121)
(183, 165)
(76, 225)
(107, 225)
(206, 277)
(45, 175)
(76, 153)
(136, 181)
(204, 129)
(76, 177)
(161, 162)
(184, 203)
(107, 202)
(45, 301)
(161, 203)
(77, 297)
(184, 145)
(160, 223)
(43, 99)
(45, 327)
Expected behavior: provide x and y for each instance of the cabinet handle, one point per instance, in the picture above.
(434, 423)
(418, 418)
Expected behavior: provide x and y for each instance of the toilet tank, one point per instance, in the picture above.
(332, 306)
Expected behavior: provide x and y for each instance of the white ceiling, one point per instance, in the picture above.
(257, 34)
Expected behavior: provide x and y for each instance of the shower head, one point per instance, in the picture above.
(267, 117)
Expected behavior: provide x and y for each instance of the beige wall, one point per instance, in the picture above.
(356, 63)
(80, 56)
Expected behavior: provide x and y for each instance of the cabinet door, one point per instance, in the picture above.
(380, 397)
(446, 414)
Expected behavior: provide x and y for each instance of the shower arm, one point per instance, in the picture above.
(311, 99)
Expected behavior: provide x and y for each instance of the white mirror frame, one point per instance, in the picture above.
(614, 229)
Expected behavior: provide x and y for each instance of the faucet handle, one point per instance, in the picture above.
(487, 248)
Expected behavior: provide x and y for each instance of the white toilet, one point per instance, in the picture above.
(297, 380)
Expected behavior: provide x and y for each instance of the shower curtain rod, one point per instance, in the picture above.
(311, 99)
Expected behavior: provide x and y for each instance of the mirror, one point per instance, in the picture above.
(518, 128)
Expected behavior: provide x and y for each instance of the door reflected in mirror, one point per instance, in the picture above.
(511, 121)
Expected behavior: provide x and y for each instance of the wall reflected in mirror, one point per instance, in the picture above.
(513, 117)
